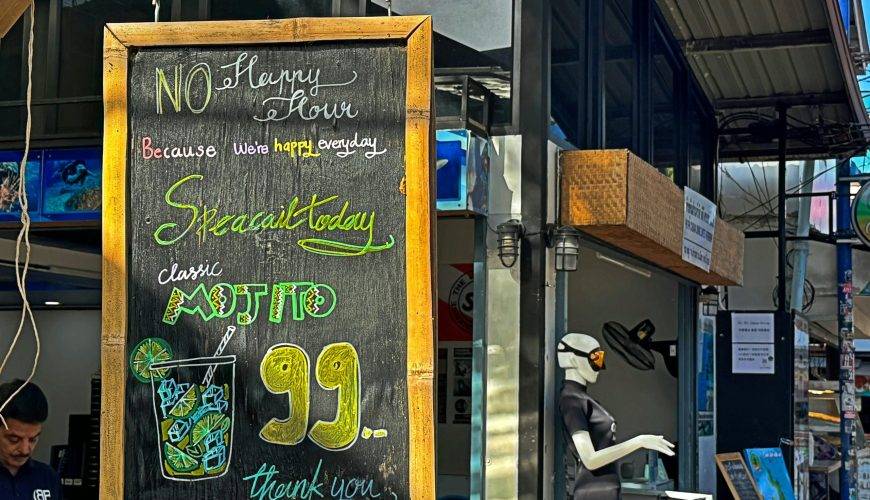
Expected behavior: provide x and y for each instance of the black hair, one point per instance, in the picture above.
(29, 405)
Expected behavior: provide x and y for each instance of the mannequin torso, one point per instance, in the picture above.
(591, 428)
(581, 413)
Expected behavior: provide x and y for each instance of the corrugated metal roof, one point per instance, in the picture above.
(804, 61)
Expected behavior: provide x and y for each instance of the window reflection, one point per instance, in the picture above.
(696, 130)
(80, 57)
(268, 9)
(11, 87)
(664, 109)
(567, 59)
(472, 37)
(618, 73)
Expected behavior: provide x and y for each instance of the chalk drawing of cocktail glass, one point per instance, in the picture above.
(193, 409)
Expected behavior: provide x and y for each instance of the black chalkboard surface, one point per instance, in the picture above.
(740, 482)
(267, 300)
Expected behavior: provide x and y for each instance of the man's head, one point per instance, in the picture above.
(24, 416)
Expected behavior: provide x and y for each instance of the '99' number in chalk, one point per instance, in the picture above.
(285, 370)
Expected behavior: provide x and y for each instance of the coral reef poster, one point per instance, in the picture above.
(10, 195)
(71, 182)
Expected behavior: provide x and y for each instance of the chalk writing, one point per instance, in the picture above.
(265, 486)
(198, 151)
(244, 148)
(285, 370)
(338, 369)
(203, 220)
(306, 299)
(303, 148)
(173, 92)
(298, 85)
(347, 147)
(355, 487)
(175, 273)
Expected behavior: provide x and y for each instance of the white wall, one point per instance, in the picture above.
(759, 276)
(69, 355)
(642, 402)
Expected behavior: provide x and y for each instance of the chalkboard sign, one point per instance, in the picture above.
(740, 482)
(268, 319)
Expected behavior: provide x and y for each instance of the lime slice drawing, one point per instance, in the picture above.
(178, 460)
(196, 451)
(185, 404)
(210, 422)
(151, 350)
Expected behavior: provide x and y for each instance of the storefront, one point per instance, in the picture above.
(541, 79)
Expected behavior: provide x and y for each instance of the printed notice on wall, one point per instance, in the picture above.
(752, 347)
(752, 327)
(752, 358)
(698, 228)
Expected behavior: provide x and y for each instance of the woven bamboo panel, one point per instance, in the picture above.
(618, 198)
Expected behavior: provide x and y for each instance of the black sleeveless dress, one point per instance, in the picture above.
(582, 413)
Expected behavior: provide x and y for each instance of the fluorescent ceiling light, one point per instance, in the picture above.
(52, 303)
(627, 267)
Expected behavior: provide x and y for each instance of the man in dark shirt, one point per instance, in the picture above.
(21, 477)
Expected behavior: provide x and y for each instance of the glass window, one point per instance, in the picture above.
(664, 77)
(696, 131)
(618, 73)
(11, 86)
(568, 69)
(80, 56)
(11, 47)
(475, 36)
(268, 9)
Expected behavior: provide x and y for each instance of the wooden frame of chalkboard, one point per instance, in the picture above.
(120, 42)
(721, 459)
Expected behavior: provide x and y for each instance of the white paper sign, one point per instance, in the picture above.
(751, 328)
(752, 358)
(699, 225)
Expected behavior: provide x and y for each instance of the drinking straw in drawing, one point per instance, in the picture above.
(223, 345)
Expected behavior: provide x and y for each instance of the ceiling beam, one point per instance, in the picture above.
(790, 100)
(10, 12)
(790, 40)
(733, 152)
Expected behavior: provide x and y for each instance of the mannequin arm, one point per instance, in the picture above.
(593, 459)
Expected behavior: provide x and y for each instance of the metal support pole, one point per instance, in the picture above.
(534, 121)
(781, 241)
(802, 248)
(478, 365)
(846, 336)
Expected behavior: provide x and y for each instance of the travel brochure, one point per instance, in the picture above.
(769, 472)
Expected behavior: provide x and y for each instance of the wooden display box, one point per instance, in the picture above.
(618, 198)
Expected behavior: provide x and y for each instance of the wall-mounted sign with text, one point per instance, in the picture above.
(699, 227)
(268, 303)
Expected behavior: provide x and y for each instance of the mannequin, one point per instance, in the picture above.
(591, 429)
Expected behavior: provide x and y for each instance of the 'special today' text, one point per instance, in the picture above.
(341, 231)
